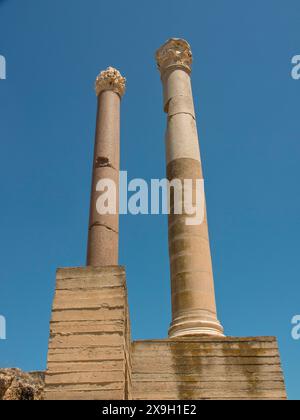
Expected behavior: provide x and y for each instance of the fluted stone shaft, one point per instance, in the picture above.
(103, 237)
(192, 284)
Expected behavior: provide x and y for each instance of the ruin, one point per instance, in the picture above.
(91, 354)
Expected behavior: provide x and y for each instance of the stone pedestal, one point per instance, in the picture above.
(194, 368)
(89, 347)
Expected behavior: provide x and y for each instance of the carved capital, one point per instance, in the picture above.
(110, 79)
(175, 52)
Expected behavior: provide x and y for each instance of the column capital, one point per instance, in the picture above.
(110, 79)
(175, 52)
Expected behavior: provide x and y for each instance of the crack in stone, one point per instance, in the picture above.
(98, 224)
(181, 112)
(104, 306)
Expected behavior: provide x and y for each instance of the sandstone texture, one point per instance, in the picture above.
(18, 385)
(190, 368)
(91, 355)
(103, 238)
(192, 284)
(206, 368)
(89, 347)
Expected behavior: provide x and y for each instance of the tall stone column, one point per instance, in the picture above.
(192, 284)
(103, 238)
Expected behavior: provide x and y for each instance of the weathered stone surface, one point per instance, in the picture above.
(207, 368)
(89, 343)
(18, 385)
(172, 369)
(103, 237)
(193, 296)
(89, 394)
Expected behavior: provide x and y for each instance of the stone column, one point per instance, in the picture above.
(193, 296)
(103, 238)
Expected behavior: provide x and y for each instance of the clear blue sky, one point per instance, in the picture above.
(248, 118)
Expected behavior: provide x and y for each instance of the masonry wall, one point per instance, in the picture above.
(88, 356)
(90, 353)
(207, 368)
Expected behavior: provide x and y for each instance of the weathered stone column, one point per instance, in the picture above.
(103, 239)
(193, 296)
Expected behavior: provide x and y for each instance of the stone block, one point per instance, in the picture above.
(89, 344)
(207, 368)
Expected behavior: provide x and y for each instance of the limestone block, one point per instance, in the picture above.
(88, 355)
(197, 368)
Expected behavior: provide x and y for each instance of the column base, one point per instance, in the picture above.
(187, 325)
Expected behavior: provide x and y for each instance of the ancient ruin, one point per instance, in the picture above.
(91, 355)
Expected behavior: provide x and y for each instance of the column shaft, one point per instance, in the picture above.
(103, 236)
(192, 285)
